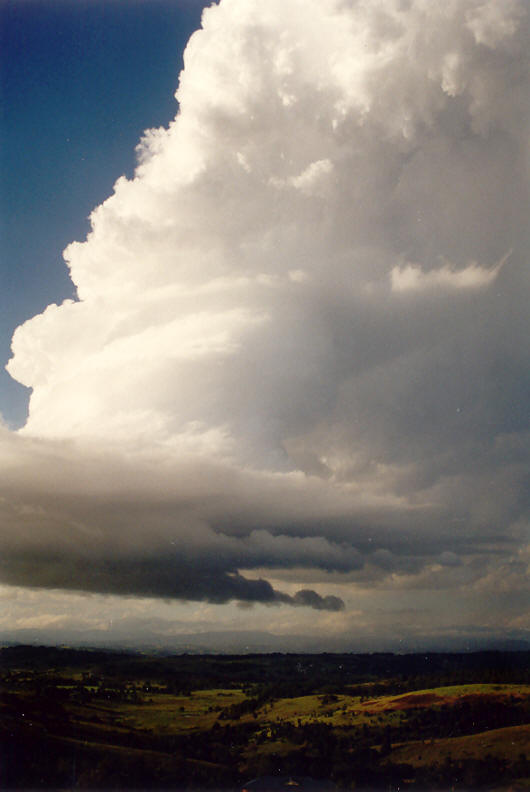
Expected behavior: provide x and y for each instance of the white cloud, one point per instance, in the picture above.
(493, 24)
(312, 180)
(248, 381)
(411, 277)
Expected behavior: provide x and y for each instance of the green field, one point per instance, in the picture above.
(168, 714)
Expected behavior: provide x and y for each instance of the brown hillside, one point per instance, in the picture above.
(508, 743)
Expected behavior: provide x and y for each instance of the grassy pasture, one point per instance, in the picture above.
(507, 743)
(168, 714)
(305, 708)
(383, 710)
(346, 711)
(436, 697)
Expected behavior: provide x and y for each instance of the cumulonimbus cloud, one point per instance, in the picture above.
(251, 377)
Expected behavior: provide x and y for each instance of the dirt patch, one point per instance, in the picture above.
(488, 698)
(410, 701)
(420, 700)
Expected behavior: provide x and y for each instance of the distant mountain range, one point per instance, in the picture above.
(243, 642)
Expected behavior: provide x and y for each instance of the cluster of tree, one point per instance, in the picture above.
(282, 674)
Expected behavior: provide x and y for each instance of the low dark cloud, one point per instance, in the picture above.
(163, 577)
(314, 600)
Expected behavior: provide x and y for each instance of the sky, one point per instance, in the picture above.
(80, 82)
(276, 388)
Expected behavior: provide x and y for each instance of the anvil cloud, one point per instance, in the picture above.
(301, 348)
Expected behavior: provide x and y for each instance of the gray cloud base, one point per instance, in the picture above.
(154, 577)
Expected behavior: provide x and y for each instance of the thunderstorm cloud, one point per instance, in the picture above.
(301, 347)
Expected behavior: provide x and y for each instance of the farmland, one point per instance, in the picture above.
(92, 719)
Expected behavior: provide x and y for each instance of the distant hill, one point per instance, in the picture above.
(242, 642)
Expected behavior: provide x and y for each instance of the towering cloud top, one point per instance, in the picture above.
(305, 317)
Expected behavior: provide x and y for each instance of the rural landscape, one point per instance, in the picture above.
(111, 720)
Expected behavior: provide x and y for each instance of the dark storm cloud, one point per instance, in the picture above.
(164, 577)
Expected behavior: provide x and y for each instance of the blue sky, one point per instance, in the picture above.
(81, 81)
